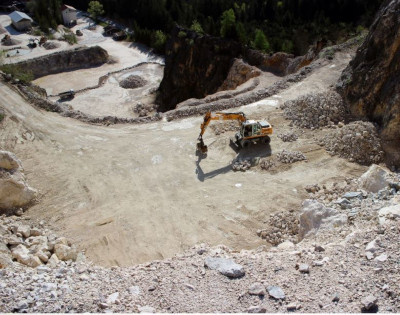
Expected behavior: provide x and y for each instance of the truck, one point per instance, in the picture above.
(67, 94)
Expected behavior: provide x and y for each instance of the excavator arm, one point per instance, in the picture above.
(239, 116)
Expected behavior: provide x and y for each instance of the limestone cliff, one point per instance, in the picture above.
(195, 66)
(78, 58)
(371, 82)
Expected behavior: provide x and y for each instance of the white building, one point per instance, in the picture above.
(21, 21)
(68, 14)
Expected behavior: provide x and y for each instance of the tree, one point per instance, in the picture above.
(260, 41)
(228, 20)
(95, 9)
(196, 26)
(158, 41)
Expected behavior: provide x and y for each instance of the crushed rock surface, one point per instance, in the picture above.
(350, 268)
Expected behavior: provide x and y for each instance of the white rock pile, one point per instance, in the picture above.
(32, 246)
(282, 226)
(315, 110)
(267, 164)
(288, 137)
(289, 157)
(357, 142)
(241, 165)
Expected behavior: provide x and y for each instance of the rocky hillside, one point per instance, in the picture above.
(370, 84)
(78, 58)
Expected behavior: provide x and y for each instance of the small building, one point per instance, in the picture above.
(68, 14)
(21, 21)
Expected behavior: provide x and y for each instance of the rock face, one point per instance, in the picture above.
(83, 57)
(282, 63)
(239, 73)
(14, 191)
(195, 66)
(370, 84)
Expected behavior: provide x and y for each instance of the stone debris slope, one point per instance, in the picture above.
(315, 110)
(357, 142)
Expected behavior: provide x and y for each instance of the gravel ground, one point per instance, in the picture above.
(330, 272)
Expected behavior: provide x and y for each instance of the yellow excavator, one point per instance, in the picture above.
(250, 130)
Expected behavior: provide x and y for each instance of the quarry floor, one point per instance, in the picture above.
(129, 194)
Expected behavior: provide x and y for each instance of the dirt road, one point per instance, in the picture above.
(130, 194)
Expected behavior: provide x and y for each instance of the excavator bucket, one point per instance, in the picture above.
(201, 146)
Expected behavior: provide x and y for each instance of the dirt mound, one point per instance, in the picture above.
(357, 142)
(9, 41)
(51, 45)
(315, 110)
(132, 82)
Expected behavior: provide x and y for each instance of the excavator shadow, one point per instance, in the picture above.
(252, 153)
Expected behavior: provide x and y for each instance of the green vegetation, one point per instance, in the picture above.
(289, 25)
(70, 38)
(158, 41)
(95, 9)
(228, 20)
(261, 42)
(196, 26)
(46, 13)
(182, 34)
(1, 116)
(17, 73)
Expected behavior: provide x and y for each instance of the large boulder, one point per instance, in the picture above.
(375, 179)
(315, 216)
(225, 266)
(14, 191)
(9, 161)
(370, 83)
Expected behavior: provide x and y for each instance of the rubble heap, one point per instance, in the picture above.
(315, 110)
(241, 165)
(132, 82)
(282, 226)
(32, 245)
(289, 157)
(288, 137)
(357, 142)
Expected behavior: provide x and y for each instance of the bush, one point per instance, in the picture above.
(182, 34)
(70, 38)
(158, 41)
(18, 73)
